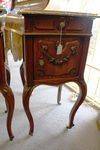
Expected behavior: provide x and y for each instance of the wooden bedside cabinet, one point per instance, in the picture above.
(55, 50)
(5, 89)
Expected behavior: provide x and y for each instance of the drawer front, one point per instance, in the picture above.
(52, 59)
(77, 24)
(53, 24)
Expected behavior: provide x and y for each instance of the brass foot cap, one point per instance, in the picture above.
(69, 127)
(31, 133)
(11, 138)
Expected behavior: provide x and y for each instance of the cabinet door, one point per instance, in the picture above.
(55, 59)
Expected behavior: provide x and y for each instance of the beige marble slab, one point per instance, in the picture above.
(63, 13)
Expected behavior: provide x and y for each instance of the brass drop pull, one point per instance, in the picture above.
(62, 24)
(60, 46)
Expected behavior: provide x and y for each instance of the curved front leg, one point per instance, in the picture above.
(8, 80)
(8, 74)
(81, 98)
(26, 96)
(9, 98)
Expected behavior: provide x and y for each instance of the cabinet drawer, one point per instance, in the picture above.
(77, 24)
(50, 62)
(48, 24)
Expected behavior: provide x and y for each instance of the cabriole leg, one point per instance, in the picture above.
(8, 81)
(81, 98)
(9, 98)
(26, 96)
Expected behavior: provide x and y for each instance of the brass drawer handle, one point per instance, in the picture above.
(62, 24)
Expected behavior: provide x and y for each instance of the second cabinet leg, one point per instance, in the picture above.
(8, 81)
(26, 96)
(81, 98)
(9, 98)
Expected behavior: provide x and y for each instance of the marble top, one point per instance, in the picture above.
(63, 13)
